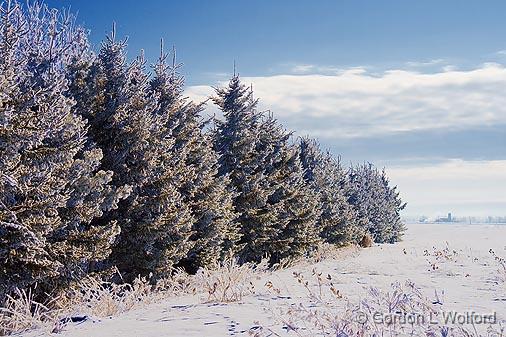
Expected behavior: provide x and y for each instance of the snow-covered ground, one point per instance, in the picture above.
(452, 261)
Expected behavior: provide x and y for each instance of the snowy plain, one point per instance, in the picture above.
(448, 262)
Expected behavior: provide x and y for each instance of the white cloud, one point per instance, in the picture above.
(303, 68)
(462, 187)
(356, 103)
(449, 67)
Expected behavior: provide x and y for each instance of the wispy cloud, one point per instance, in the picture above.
(299, 69)
(355, 103)
(303, 68)
(449, 67)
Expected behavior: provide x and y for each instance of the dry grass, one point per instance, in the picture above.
(93, 297)
(89, 297)
(501, 270)
(378, 313)
(228, 281)
(327, 251)
(21, 313)
(327, 312)
(180, 283)
(321, 289)
(324, 251)
(439, 256)
(102, 299)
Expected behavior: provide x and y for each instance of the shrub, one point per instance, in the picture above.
(366, 241)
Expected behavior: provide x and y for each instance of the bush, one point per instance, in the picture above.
(366, 241)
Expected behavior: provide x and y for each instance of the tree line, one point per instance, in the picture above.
(106, 163)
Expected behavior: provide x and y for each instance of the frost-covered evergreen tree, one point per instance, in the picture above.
(325, 175)
(377, 204)
(298, 205)
(214, 229)
(277, 211)
(393, 205)
(51, 188)
(155, 221)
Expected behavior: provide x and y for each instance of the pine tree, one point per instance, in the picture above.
(393, 206)
(325, 175)
(51, 188)
(155, 221)
(276, 209)
(377, 204)
(298, 205)
(214, 230)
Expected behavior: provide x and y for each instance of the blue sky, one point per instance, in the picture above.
(417, 87)
(264, 36)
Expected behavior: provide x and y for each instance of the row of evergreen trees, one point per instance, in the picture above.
(104, 163)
